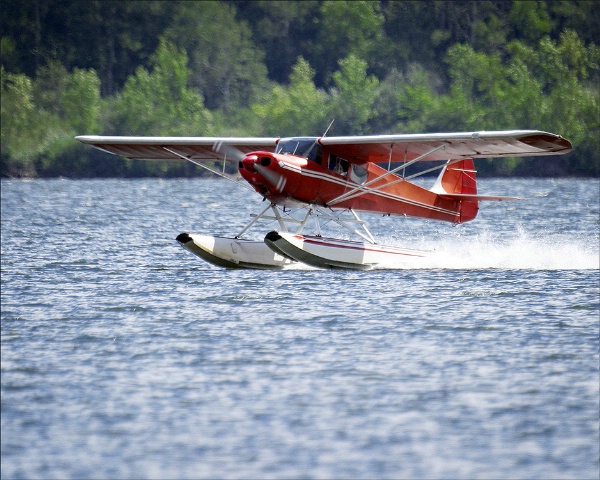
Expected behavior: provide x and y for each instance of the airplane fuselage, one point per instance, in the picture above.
(326, 180)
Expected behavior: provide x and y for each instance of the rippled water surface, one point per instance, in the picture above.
(124, 356)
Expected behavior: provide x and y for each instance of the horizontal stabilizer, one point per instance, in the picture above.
(466, 196)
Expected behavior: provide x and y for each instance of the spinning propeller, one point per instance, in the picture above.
(229, 151)
(253, 164)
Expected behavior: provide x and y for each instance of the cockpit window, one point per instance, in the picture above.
(358, 174)
(338, 165)
(306, 147)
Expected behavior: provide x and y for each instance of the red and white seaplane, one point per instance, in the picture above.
(334, 178)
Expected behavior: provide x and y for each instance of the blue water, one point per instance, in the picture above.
(125, 356)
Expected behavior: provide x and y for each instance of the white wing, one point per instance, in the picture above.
(195, 149)
(445, 146)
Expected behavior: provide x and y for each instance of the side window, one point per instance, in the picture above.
(358, 174)
(338, 165)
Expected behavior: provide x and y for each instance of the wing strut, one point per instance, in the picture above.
(366, 190)
(418, 174)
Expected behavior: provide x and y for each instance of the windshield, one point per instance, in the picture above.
(296, 146)
(306, 147)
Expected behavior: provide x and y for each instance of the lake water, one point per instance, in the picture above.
(125, 356)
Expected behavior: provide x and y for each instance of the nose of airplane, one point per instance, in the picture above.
(258, 168)
(249, 161)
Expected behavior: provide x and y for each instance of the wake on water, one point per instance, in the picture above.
(522, 251)
(519, 253)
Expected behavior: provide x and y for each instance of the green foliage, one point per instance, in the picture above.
(282, 29)
(299, 109)
(226, 66)
(81, 100)
(39, 118)
(345, 28)
(159, 102)
(288, 68)
(354, 96)
(17, 112)
(531, 19)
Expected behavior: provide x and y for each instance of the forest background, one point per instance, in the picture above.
(284, 68)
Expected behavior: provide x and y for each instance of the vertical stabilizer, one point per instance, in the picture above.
(459, 178)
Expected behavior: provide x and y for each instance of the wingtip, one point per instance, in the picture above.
(85, 138)
(548, 143)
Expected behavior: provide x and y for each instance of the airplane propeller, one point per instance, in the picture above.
(274, 178)
(251, 163)
(229, 151)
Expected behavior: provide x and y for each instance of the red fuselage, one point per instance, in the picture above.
(290, 180)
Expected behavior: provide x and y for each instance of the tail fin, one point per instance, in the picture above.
(457, 181)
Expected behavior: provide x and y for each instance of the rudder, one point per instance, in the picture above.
(459, 178)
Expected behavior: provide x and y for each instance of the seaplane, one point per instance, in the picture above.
(310, 181)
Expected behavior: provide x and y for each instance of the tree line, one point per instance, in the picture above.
(279, 68)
